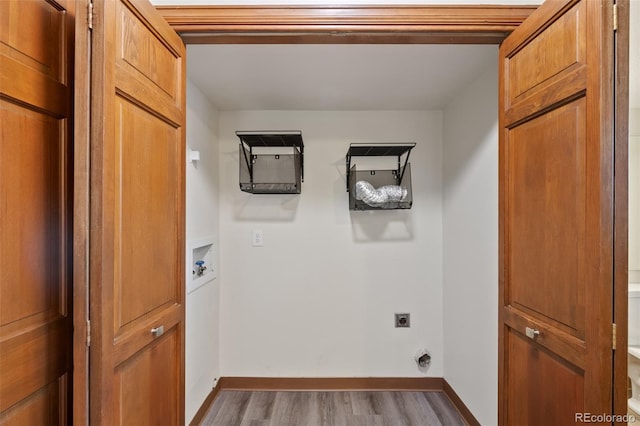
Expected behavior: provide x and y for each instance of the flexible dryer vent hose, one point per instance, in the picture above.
(381, 196)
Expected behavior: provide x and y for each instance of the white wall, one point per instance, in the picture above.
(634, 195)
(318, 300)
(202, 205)
(470, 220)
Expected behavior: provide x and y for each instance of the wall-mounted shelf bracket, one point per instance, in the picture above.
(380, 150)
(271, 162)
(375, 189)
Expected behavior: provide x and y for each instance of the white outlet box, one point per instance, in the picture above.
(257, 238)
(201, 249)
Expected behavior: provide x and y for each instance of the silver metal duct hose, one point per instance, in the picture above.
(366, 193)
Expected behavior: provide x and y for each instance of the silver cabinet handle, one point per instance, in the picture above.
(157, 331)
(531, 333)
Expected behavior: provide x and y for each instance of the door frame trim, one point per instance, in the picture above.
(345, 24)
(81, 218)
(621, 208)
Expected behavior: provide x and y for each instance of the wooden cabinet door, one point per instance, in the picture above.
(137, 217)
(36, 84)
(556, 222)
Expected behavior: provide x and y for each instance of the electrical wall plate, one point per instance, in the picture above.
(403, 320)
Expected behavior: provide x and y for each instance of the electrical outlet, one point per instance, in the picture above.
(403, 320)
(257, 238)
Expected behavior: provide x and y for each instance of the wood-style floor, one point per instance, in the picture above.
(275, 408)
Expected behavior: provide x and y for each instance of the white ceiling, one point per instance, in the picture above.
(335, 77)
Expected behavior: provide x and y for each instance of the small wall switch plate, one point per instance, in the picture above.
(257, 238)
(403, 320)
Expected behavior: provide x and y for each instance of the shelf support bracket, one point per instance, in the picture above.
(348, 161)
(249, 163)
(404, 168)
(301, 163)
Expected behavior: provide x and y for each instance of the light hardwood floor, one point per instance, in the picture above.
(363, 408)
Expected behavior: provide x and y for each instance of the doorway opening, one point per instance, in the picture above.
(442, 254)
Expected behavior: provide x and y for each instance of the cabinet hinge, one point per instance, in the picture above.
(88, 333)
(615, 17)
(613, 336)
(90, 15)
